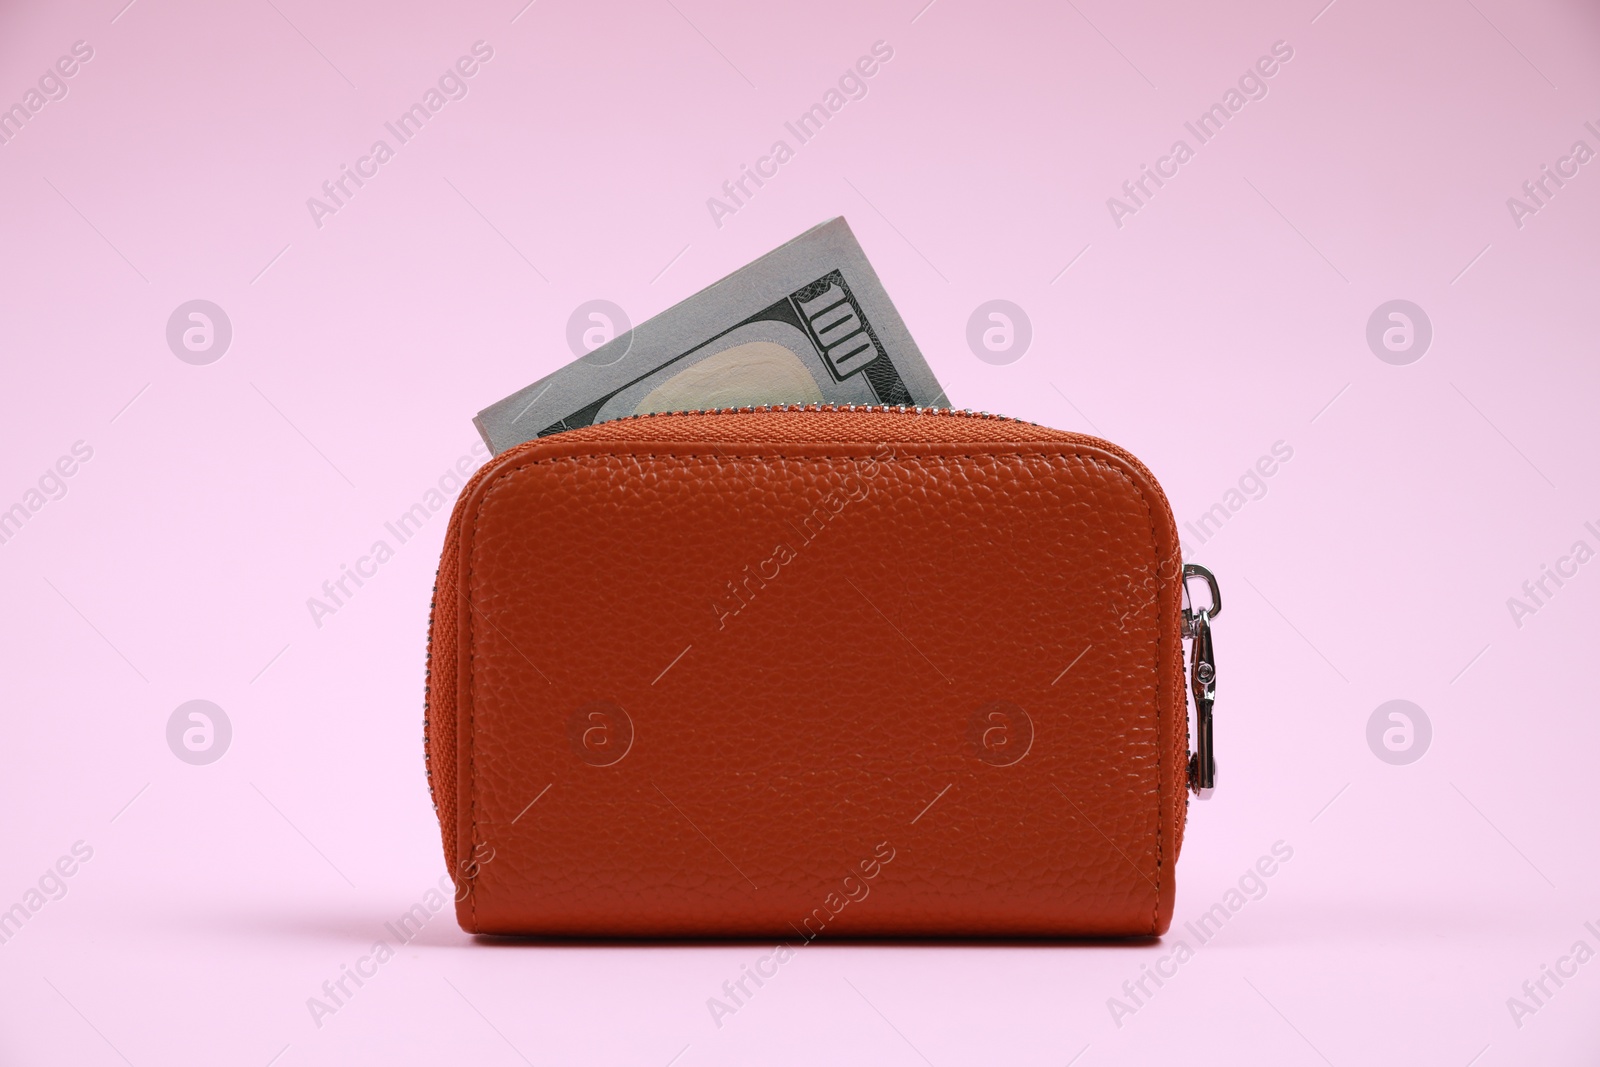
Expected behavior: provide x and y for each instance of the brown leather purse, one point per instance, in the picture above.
(801, 671)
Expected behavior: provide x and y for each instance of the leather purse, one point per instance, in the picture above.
(807, 671)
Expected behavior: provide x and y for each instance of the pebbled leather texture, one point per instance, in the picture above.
(810, 672)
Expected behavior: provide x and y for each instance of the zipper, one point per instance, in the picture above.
(1202, 679)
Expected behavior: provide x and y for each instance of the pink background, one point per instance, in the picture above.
(1228, 314)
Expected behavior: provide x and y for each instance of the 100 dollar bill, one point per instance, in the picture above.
(808, 323)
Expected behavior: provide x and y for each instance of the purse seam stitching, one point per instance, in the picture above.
(720, 459)
(472, 733)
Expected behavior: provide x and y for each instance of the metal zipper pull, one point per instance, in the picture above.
(1202, 678)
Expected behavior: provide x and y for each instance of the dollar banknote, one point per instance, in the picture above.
(807, 323)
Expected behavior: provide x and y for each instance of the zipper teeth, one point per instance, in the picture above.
(875, 409)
